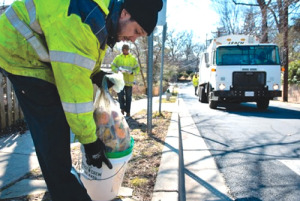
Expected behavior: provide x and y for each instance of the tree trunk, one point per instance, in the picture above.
(140, 64)
(264, 22)
(286, 51)
(281, 16)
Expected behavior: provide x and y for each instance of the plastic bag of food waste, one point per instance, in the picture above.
(112, 127)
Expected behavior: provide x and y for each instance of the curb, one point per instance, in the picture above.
(166, 186)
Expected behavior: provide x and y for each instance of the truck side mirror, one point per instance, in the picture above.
(206, 56)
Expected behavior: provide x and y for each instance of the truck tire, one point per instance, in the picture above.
(263, 104)
(202, 95)
(211, 103)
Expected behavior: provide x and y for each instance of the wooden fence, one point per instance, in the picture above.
(293, 93)
(10, 112)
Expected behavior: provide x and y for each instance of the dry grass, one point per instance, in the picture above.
(141, 169)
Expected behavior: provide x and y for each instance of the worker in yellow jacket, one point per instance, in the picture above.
(195, 82)
(128, 65)
(51, 51)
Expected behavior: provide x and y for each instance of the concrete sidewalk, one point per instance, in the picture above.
(17, 157)
(202, 179)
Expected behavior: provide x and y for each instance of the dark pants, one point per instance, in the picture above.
(196, 88)
(125, 103)
(50, 132)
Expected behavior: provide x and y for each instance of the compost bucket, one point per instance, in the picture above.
(103, 184)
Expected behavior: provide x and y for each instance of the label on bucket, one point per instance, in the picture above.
(91, 172)
(103, 184)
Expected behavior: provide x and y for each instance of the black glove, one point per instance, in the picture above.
(98, 77)
(95, 154)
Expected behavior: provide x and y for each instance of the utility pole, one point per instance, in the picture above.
(285, 52)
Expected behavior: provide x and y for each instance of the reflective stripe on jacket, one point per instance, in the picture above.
(62, 42)
(127, 62)
(195, 81)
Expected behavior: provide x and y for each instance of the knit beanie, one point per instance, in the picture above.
(125, 47)
(144, 12)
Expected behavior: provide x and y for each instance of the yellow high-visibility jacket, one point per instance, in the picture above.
(62, 42)
(129, 63)
(195, 81)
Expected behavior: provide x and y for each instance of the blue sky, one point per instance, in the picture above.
(187, 15)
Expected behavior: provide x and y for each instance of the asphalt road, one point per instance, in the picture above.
(256, 151)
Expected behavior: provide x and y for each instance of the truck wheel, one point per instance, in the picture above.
(199, 94)
(202, 95)
(262, 104)
(212, 104)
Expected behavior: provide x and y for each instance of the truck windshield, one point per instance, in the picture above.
(247, 55)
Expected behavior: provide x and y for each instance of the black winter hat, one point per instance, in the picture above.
(144, 12)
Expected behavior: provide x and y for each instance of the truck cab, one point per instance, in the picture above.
(237, 68)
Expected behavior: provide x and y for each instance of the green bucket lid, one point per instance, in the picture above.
(121, 154)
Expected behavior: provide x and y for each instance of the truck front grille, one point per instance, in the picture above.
(249, 80)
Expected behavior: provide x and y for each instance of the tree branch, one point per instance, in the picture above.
(275, 17)
(244, 4)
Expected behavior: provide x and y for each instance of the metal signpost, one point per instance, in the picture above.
(149, 84)
(161, 21)
(162, 65)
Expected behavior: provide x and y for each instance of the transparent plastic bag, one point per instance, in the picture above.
(112, 127)
(117, 79)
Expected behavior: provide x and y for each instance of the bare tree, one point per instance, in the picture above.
(229, 16)
(277, 13)
(183, 51)
(140, 53)
(187, 45)
(174, 42)
(249, 26)
(140, 50)
(293, 40)
(263, 5)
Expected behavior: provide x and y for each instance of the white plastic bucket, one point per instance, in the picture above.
(107, 187)
(103, 184)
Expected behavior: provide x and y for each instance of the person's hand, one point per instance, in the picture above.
(124, 70)
(95, 154)
(98, 78)
(117, 80)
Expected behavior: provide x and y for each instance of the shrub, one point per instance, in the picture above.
(294, 72)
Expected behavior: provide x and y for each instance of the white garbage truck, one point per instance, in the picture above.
(237, 68)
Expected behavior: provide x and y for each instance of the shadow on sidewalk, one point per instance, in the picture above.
(17, 158)
(206, 185)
